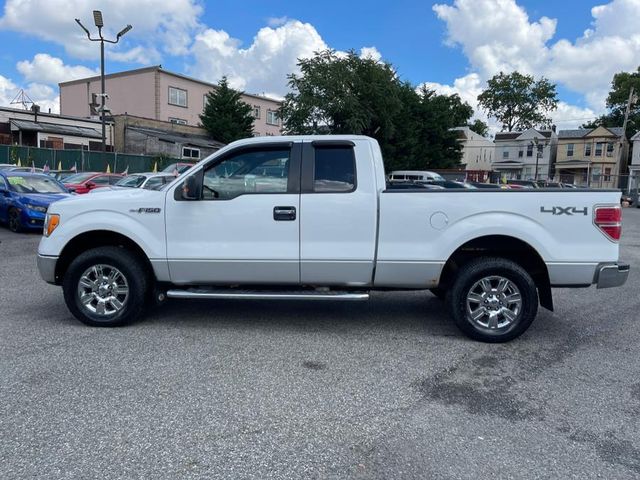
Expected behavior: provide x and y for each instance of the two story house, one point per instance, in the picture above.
(590, 157)
(525, 155)
(477, 153)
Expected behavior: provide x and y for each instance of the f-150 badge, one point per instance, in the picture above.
(145, 210)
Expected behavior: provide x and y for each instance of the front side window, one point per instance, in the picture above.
(334, 170)
(131, 181)
(253, 171)
(154, 183)
(102, 180)
(177, 96)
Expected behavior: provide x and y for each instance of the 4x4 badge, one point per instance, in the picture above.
(565, 210)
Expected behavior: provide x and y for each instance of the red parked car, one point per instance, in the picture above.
(85, 181)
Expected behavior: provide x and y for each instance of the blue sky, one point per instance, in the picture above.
(452, 45)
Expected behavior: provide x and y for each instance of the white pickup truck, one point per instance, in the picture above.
(311, 218)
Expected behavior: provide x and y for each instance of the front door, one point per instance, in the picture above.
(245, 228)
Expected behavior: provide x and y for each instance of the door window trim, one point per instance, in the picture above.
(293, 180)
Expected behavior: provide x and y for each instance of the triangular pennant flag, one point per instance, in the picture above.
(59, 164)
(126, 171)
(33, 167)
(108, 168)
(19, 163)
(155, 168)
(46, 168)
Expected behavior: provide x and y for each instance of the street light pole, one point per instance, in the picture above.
(97, 19)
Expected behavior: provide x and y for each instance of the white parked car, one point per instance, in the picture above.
(149, 181)
(417, 176)
(311, 217)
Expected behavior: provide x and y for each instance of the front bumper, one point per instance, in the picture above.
(47, 268)
(611, 275)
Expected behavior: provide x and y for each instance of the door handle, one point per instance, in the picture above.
(284, 213)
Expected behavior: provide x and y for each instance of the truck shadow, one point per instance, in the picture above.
(408, 312)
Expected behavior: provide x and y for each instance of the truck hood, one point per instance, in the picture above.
(123, 200)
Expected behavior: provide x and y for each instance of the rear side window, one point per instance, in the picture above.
(334, 170)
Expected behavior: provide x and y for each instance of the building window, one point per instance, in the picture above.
(599, 149)
(607, 174)
(609, 149)
(204, 101)
(272, 117)
(505, 154)
(188, 152)
(177, 96)
(521, 154)
(179, 121)
(530, 150)
(587, 150)
(256, 111)
(570, 149)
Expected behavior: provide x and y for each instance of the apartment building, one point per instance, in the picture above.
(158, 94)
(590, 157)
(525, 155)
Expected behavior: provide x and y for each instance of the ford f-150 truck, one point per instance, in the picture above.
(311, 218)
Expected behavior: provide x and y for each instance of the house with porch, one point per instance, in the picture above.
(591, 157)
(477, 154)
(525, 155)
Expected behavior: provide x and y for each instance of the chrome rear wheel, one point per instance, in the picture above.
(494, 302)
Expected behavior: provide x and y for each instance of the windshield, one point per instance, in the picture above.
(79, 178)
(132, 181)
(34, 184)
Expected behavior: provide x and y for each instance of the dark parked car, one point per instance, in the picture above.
(487, 185)
(401, 185)
(25, 197)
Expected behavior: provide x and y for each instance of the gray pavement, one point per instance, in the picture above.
(385, 389)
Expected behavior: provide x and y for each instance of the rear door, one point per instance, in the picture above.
(338, 212)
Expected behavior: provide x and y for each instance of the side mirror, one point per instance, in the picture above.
(190, 188)
(91, 185)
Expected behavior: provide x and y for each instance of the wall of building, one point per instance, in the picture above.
(133, 94)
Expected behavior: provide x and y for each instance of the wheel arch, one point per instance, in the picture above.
(98, 238)
(504, 246)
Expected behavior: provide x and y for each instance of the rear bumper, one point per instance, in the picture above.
(611, 275)
(47, 268)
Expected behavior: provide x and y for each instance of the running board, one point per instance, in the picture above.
(267, 295)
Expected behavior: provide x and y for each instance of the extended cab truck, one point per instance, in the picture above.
(311, 218)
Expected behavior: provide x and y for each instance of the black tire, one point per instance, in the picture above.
(13, 222)
(136, 281)
(439, 293)
(493, 268)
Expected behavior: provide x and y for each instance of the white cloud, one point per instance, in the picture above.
(263, 65)
(8, 91)
(155, 22)
(498, 35)
(40, 94)
(370, 52)
(470, 86)
(51, 70)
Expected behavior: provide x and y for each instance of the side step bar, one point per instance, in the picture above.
(267, 294)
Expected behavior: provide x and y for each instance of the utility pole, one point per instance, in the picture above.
(97, 19)
(623, 138)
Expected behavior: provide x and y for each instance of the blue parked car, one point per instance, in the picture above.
(25, 197)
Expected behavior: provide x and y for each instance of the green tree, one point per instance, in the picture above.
(226, 117)
(617, 103)
(479, 127)
(353, 95)
(519, 101)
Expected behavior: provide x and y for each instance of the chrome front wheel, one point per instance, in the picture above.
(103, 290)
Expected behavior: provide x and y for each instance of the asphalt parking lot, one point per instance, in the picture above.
(384, 389)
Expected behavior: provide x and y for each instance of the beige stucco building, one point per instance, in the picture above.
(158, 94)
(590, 156)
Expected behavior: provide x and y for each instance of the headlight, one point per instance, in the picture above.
(36, 208)
(51, 222)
